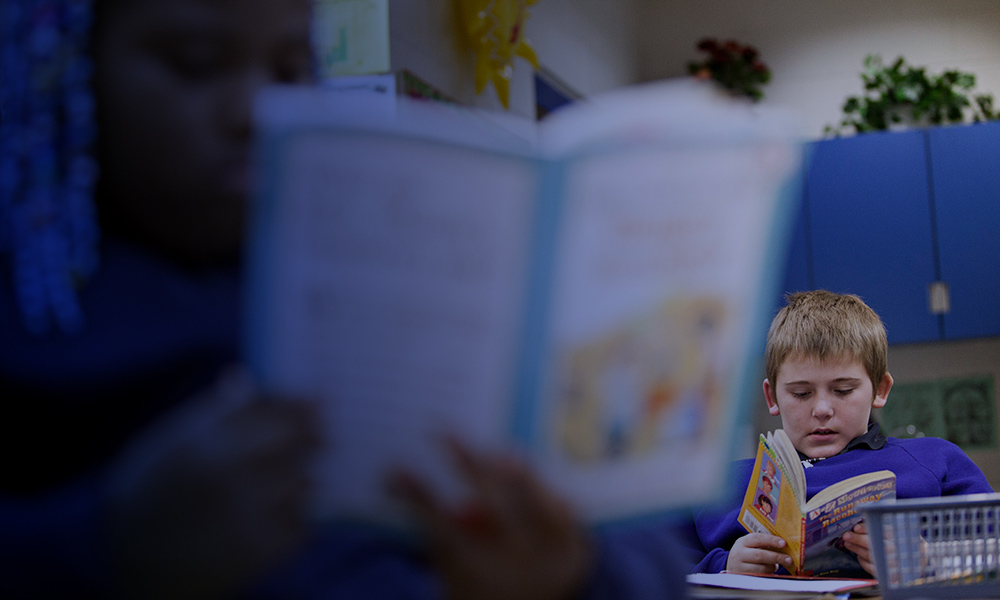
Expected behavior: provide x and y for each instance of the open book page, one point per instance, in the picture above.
(853, 492)
(836, 510)
(648, 320)
(590, 309)
(395, 300)
(784, 447)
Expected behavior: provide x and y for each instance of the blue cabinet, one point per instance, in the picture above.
(884, 215)
(870, 227)
(965, 169)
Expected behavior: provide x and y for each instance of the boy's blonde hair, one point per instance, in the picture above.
(822, 325)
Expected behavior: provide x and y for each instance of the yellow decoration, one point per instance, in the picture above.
(495, 30)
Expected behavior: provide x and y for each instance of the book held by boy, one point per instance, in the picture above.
(775, 503)
(593, 300)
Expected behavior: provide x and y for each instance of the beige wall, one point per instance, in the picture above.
(924, 362)
(815, 49)
(590, 44)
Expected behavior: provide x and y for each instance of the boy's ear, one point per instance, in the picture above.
(772, 404)
(882, 391)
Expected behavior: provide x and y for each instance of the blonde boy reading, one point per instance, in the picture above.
(826, 366)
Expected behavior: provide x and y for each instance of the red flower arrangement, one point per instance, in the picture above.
(736, 66)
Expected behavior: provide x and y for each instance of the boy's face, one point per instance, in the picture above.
(175, 84)
(824, 404)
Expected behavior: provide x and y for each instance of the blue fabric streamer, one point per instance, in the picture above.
(48, 227)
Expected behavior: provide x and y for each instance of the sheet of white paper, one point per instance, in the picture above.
(750, 582)
(351, 37)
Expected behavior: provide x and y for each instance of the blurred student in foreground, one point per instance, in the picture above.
(137, 461)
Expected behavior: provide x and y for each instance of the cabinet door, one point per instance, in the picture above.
(966, 173)
(870, 227)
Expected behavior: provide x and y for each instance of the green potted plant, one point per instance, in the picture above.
(899, 93)
(737, 67)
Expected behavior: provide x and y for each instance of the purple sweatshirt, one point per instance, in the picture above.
(924, 467)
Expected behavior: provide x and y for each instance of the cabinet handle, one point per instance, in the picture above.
(938, 298)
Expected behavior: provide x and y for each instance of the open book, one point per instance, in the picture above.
(775, 503)
(593, 300)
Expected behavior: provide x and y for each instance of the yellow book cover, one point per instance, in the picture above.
(775, 503)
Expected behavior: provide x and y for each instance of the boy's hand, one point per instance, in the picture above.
(757, 553)
(514, 540)
(858, 542)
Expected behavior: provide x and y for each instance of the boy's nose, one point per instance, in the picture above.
(823, 408)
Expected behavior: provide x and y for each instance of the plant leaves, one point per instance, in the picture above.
(891, 92)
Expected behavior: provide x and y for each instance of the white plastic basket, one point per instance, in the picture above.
(937, 547)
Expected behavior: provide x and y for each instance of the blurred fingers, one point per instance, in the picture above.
(542, 510)
(274, 431)
(493, 483)
(431, 515)
(509, 498)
